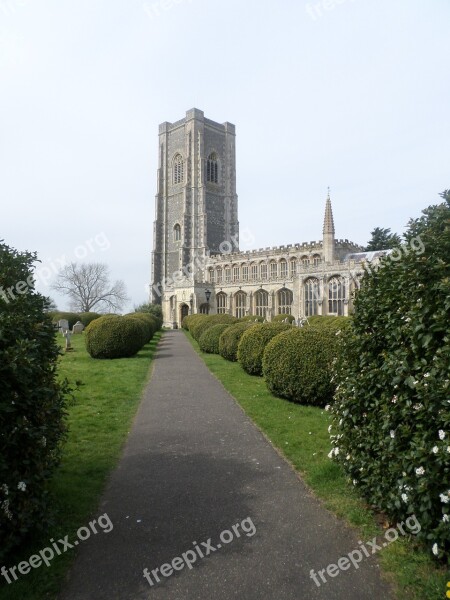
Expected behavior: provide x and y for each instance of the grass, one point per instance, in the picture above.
(300, 433)
(99, 421)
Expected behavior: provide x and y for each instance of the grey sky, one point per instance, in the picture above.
(354, 96)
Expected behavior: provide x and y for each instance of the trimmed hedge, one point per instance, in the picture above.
(114, 336)
(209, 340)
(297, 365)
(189, 320)
(199, 326)
(279, 318)
(253, 342)
(149, 325)
(32, 402)
(229, 340)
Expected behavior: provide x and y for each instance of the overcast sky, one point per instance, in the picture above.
(351, 94)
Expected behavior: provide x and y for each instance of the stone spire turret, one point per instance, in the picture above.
(328, 232)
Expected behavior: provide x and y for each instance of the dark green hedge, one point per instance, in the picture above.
(391, 427)
(115, 337)
(229, 340)
(209, 340)
(253, 342)
(297, 365)
(32, 402)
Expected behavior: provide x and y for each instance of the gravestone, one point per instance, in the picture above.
(63, 325)
(78, 327)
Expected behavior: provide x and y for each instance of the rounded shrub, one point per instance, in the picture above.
(297, 365)
(188, 320)
(229, 340)
(202, 324)
(253, 342)
(114, 337)
(88, 317)
(278, 318)
(32, 402)
(209, 340)
(149, 325)
(391, 426)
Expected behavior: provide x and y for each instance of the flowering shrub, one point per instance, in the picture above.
(32, 401)
(391, 427)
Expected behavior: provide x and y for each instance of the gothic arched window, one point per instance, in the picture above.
(212, 168)
(312, 291)
(261, 303)
(336, 296)
(283, 269)
(176, 233)
(178, 169)
(285, 299)
(221, 299)
(240, 301)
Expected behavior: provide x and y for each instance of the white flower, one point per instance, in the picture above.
(355, 482)
(415, 382)
(22, 486)
(330, 453)
(448, 449)
(405, 497)
(329, 428)
(418, 406)
(336, 451)
(394, 399)
(435, 450)
(426, 375)
(392, 434)
(435, 549)
(327, 407)
(441, 434)
(348, 457)
(445, 498)
(420, 471)
(445, 518)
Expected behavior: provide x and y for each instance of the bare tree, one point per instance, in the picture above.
(88, 287)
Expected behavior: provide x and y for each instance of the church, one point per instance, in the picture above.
(197, 266)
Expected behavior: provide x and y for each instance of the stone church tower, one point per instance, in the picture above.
(196, 201)
(196, 262)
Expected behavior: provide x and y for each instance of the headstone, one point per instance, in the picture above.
(63, 324)
(78, 327)
(67, 335)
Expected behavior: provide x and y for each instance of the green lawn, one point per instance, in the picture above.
(99, 421)
(301, 434)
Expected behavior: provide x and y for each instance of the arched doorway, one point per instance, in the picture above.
(184, 311)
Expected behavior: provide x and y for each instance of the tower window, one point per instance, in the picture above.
(177, 233)
(212, 168)
(178, 169)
